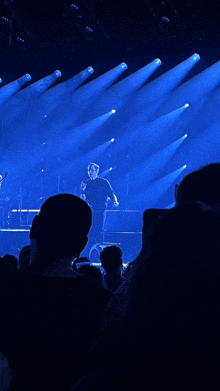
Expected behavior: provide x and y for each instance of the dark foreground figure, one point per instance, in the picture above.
(50, 313)
(161, 328)
(111, 261)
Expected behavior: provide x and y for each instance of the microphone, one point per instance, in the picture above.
(83, 186)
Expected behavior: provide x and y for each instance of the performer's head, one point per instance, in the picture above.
(93, 170)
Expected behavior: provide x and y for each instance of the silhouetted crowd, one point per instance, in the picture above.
(66, 325)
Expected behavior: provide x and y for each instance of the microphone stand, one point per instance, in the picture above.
(20, 206)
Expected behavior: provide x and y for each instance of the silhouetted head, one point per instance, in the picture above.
(184, 237)
(8, 263)
(62, 226)
(200, 185)
(24, 257)
(111, 258)
(92, 272)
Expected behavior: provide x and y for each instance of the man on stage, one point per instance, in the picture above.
(96, 191)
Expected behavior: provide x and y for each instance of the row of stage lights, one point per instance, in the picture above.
(58, 74)
(123, 65)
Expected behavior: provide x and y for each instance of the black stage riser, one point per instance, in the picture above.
(11, 241)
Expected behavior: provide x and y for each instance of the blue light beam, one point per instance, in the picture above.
(58, 94)
(41, 85)
(203, 148)
(83, 100)
(151, 136)
(197, 89)
(58, 143)
(153, 95)
(105, 173)
(11, 88)
(98, 151)
(168, 119)
(94, 155)
(133, 82)
(154, 192)
(23, 101)
(51, 101)
(78, 137)
(120, 93)
(150, 168)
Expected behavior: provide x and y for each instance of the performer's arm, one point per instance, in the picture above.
(115, 202)
(112, 195)
(83, 196)
(83, 188)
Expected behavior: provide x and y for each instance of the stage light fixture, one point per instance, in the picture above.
(196, 56)
(165, 19)
(0, 80)
(185, 165)
(185, 135)
(158, 61)
(110, 169)
(112, 140)
(124, 65)
(186, 105)
(27, 76)
(74, 7)
(113, 111)
(57, 73)
(88, 29)
(90, 70)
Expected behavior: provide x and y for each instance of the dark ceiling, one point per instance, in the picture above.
(29, 26)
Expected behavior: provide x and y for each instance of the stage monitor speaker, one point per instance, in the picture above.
(123, 221)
